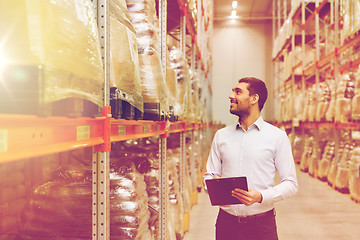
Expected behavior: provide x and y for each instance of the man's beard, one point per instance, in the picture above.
(243, 113)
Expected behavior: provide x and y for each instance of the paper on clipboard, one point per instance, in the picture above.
(219, 190)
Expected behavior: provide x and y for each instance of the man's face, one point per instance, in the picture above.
(240, 100)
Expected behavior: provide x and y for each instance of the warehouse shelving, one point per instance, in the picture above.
(320, 23)
(30, 136)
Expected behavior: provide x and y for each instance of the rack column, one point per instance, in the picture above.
(101, 159)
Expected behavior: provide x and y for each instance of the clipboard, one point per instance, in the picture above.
(219, 190)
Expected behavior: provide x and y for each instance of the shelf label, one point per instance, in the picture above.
(355, 135)
(82, 132)
(121, 130)
(3, 140)
(146, 129)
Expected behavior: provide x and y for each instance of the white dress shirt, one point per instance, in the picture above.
(257, 154)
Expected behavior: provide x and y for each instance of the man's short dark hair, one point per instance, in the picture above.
(256, 86)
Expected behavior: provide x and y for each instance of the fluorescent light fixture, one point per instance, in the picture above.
(233, 13)
(234, 4)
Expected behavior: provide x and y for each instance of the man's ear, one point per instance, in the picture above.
(254, 98)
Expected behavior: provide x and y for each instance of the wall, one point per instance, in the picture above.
(239, 50)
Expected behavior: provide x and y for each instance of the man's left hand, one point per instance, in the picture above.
(247, 197)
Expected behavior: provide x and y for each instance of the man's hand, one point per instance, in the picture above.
(247, 198)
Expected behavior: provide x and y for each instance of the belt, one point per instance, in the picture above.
(245, 219)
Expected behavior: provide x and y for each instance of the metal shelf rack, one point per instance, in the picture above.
(39, 136)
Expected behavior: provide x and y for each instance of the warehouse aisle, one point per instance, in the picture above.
(317, 212)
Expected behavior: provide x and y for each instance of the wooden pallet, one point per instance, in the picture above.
(355, 200)
(352, 36)
(152, 111)
(123, 109)
(342, 190)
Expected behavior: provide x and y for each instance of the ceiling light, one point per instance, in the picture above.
(233, 13)
(234, 4)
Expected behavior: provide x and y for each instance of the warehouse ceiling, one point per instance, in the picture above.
(249, 10)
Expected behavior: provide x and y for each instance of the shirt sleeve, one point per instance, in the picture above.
(213, 165)
(284, 163)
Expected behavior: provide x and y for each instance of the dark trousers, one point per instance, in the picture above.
(257, 227)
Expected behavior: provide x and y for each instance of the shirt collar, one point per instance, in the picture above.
(259, 123)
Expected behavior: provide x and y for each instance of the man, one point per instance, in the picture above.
(255, 149)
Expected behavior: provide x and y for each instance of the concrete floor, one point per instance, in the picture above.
(317, 212)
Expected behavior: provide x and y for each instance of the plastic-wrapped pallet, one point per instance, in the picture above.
(354, 178)
(171, 83)
(298, 103)
(297, 52)
(323, 102)
(125, 72)
(129, 214)
(305, 157)
(288, 104)
(342, 151)
(344, 95)
(347, 16)
(356, 16)
(298, 147)
(61, 208)
(330, 113)
(176, 203)
(355, 103)
(152, 188)
(326, 160)
(342, 173)
(310, 104)
(154, 91)
(182, 69)
(52, 47)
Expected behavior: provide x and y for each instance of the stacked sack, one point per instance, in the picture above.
(326, 160)
(351, 16)
(298, 102)
(344, 95)
(12, 195)
(171, 83)
(311, 111)
(342, 173)
(182, 69)
(307, 153)
(153, 191)
(288, 104)
(124, 60)
(55, 46)
(343, 156)
(140, 154)
(323, 102)
(61, 208)
(354, 178)
(355, 103)
(129, 214)
(330, 113)
(176, 202)
(154, 91)
(319, 148)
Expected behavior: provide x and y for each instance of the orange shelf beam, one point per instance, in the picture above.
(122, 129)
(24, 136)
